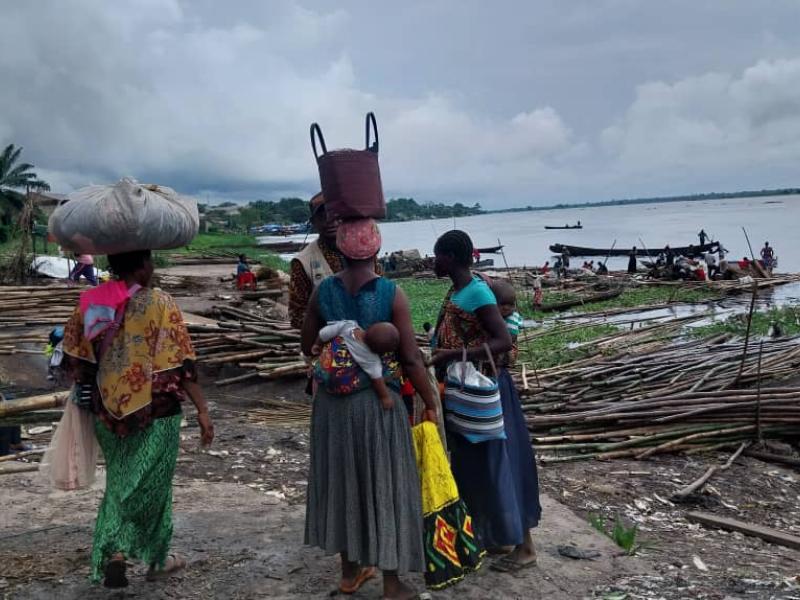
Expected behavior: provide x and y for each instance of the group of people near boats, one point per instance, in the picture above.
(134, 366)
(706, 265)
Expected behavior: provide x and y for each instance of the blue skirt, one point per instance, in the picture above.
(497, 479)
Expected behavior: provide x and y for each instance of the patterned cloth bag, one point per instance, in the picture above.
(451, 550)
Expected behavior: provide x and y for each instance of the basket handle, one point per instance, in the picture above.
(316, 132)
(371, 119)
(463, 366)
(491, 359)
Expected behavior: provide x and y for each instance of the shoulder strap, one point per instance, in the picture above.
(105, 344)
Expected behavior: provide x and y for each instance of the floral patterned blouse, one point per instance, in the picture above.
(139, 378)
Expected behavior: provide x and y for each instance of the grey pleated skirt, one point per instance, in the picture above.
(363, 487)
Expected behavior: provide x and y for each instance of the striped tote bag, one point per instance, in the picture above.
(472, 401)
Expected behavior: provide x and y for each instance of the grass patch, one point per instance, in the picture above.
(425, 297)
(554, 347)
(233, 242)
(786, 318)
(629, 298)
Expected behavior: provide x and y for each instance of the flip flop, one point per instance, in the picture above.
(169, 568)
(115, 574)
(363, 576)
(509, 565)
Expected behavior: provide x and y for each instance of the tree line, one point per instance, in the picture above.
(295, 210)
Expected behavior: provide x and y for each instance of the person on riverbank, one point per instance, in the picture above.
(669, 257)
(711, 265)
(703, 237)
(84, 267)
(129, 348)
(632, 261)
(768, 256)
(318, 260)
(545, 268)
(244, 276)
(364, 500)
(497, 478)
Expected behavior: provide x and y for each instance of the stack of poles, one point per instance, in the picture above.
(688, 397)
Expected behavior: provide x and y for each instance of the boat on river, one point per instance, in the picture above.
(578, 226)
(695, 250)
(491, 250)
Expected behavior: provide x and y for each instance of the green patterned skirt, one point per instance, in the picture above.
(135, 516)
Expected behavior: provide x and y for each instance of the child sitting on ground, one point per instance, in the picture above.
(506, 297)
(365, 347)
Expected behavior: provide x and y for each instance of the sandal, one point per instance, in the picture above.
(115, 574)
(363, 576)
(171, 565)
(509, 565)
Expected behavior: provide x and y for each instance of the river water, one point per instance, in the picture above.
(775, 219)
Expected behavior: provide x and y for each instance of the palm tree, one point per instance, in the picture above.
(15, 177)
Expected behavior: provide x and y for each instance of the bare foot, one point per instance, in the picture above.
(172, 564)
(394, 589)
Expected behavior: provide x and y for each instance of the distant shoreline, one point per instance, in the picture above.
(655, 200)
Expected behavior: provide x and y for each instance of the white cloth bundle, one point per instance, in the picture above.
(126, 216)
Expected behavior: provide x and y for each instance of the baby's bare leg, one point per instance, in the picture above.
(379, 385)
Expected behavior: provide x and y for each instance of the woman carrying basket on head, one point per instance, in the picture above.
(133, 360)
(363, 499)
(496, 477)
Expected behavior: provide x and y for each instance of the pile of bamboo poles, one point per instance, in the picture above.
(268, 348)
(29, 306)
(688, 397)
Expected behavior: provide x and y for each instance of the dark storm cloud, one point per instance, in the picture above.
(503, 103)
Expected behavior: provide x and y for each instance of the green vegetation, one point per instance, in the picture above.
(232, 217)
(231, 244)
(787, 320)
(14, 177)
(407, 209)
(620, 534)
(661, 199)
(630, 297)
(558, 345)
(220, 242)
(425, 297)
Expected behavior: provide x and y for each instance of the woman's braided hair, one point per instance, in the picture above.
(457, 243)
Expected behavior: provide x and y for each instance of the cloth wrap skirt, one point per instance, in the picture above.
(363, 492)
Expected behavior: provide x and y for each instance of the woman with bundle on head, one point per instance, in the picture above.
(496, 477)
(133, 361)
(363, 499)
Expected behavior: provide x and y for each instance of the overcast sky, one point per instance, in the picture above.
(503, 103)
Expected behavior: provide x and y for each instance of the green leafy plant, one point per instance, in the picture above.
(622, 535)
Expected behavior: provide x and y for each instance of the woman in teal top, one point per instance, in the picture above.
(363, 498)
(497, 478)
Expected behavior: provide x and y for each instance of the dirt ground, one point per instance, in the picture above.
(239, 515)
(239, 511)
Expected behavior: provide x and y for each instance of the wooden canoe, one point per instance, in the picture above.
(653, 251)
